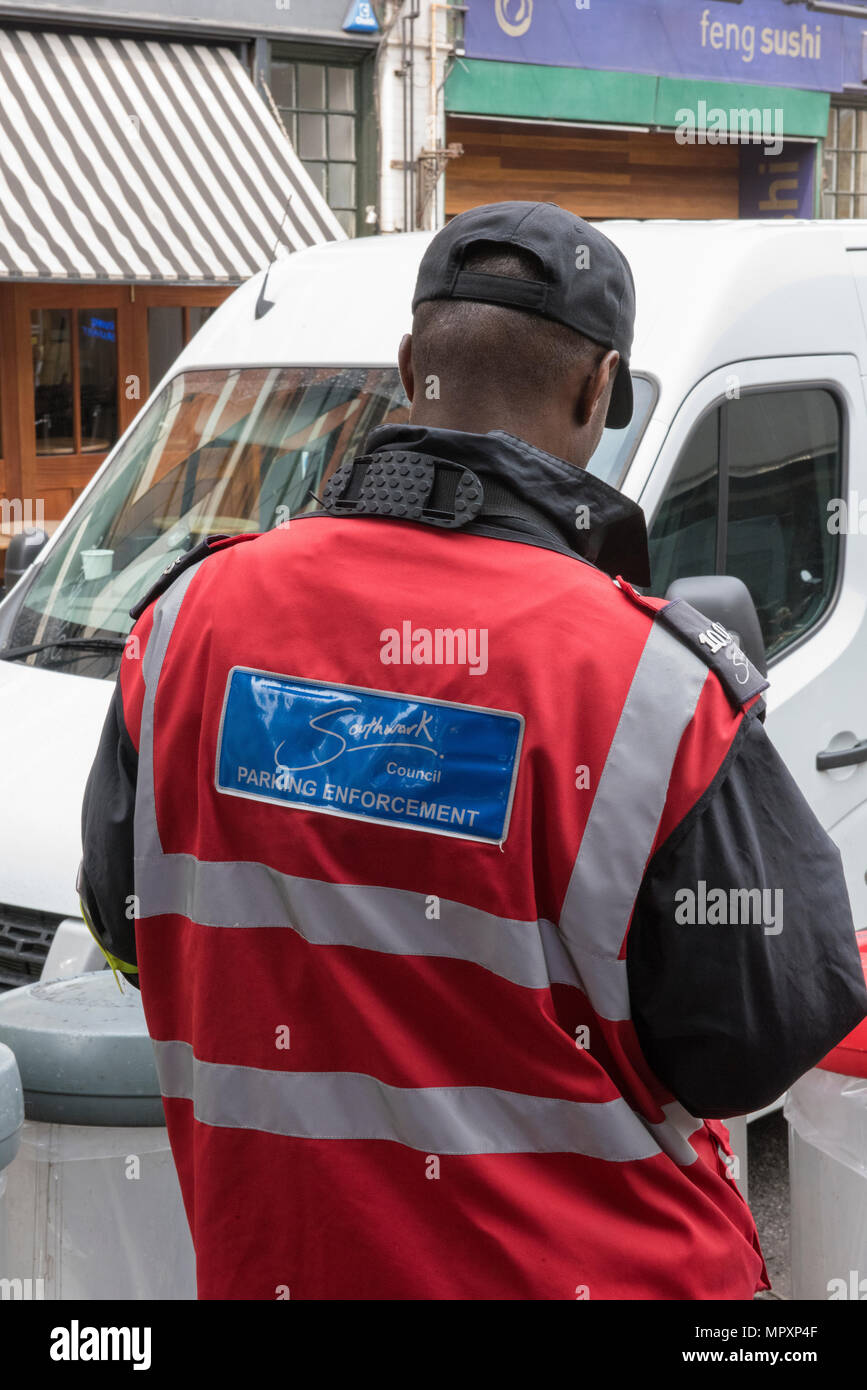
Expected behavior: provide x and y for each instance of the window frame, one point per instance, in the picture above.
(78, 450)
(653, 382)
(186, 332)
(722, 520)
(366, 137)
(832, 197)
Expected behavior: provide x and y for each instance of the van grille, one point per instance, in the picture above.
(25, 936)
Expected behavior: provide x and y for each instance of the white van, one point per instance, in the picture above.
(748, 452)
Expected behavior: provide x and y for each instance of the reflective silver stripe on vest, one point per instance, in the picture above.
(625, 816)
(392, 920)
(434, 1119)
(146, 836)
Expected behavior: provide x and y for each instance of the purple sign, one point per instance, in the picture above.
(782, 186)
(761, 41)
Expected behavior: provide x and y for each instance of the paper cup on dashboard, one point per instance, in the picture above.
(96, 563)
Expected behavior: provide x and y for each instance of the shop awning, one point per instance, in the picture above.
(538, 91)
(129, 160)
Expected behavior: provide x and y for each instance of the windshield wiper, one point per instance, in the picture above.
(85, 644)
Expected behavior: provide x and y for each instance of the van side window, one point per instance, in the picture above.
(752, 495)
(683, 538)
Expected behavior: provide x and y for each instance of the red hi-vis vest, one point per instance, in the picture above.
(395, 1047)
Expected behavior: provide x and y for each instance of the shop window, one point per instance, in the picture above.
(197, 314)
(51, 338)
(165, 339)
(97, 372)
(74, 380)
(844, 166)
(750, 497)
(170, 328)
(318, 104)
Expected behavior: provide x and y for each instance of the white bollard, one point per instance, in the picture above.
(93, 1205)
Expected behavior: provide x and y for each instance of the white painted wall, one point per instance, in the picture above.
(429, 124)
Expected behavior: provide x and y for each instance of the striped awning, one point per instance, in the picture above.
(128, 160)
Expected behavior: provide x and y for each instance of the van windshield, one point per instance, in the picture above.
(229, 450)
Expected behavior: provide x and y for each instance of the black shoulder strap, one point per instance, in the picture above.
(717, 648)
(502, 502)
(177, 566)
(710, 641)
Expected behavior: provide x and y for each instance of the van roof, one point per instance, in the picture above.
(708, 293)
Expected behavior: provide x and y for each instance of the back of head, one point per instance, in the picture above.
(498, 357)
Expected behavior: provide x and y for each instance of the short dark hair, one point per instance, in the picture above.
(515, 351)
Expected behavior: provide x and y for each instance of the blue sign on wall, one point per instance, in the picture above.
(361, 19)
(778, 187)
(760, 41)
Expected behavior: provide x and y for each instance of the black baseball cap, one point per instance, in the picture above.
(588, 284)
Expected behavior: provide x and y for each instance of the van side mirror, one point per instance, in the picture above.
(727, 600)
(22, 551)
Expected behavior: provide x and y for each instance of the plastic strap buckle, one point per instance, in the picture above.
(406, 486)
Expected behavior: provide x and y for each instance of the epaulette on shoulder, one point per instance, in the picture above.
(714, 644)
(199, 552)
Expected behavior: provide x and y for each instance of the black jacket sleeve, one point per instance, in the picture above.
(736, 992)
(105, 878)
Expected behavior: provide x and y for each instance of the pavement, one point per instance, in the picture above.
(769, 1197)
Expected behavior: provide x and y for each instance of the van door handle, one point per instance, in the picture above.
(842, 757)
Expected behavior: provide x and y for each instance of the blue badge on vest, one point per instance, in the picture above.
(368, 754)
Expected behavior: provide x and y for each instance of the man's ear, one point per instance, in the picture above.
(404, 365)
(596, 386)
